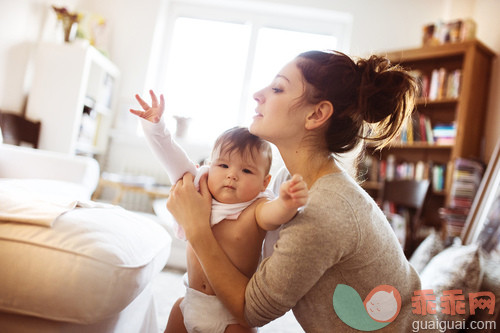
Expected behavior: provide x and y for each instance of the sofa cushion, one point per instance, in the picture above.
(90, 265)
(431, 246)
(456, 268)
(37, 201)
(48, 188)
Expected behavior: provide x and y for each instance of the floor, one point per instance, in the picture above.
(168, 287)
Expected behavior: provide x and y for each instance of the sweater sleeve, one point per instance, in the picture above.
(172, 157)
(307, 247)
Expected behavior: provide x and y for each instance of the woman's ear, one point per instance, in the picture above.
(319, 115)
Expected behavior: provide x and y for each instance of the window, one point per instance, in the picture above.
(218, 55)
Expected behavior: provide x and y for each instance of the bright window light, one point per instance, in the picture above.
(205, 74)
(217, 57)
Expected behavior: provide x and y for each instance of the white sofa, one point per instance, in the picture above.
(77, 174)
(91, 270)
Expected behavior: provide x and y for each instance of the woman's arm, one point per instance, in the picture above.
(293, 195)
(192, 210)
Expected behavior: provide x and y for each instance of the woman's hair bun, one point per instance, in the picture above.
(386, 97)
(381, 87)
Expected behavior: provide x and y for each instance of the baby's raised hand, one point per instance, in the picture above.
(152, 113)
(294, 192)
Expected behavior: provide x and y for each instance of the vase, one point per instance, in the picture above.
(182, 126)
(70, 28)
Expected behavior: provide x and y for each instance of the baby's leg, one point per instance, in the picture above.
(235, 328)
(176, 320)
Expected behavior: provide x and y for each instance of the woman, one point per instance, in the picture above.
(319, 105)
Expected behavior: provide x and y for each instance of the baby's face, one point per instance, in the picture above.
(234, 178)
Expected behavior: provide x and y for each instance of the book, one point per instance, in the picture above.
(390, 172)
(434, 85)
(438, 177)
(444, 133)
(453, 82)
(428, 130)
(425, 86)
(441, 85)
(419, 130)
(466, 179)
(423, 132)
(420, 172)
(423, 81)
(453, 31)
(445, 84)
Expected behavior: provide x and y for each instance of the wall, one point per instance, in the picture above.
(377, 26)
(382, 24)
(20, 26)
(486, 13)
(133, 25)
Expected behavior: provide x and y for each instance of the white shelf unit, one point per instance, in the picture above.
(73, 94)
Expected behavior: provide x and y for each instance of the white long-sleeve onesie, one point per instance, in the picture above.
(176, 162)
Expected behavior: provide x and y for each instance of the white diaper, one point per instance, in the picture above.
(204, 313)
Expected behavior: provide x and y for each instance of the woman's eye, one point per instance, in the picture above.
(277, 90)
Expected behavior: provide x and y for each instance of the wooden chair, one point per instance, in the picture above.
(411, 195)
(17, 129)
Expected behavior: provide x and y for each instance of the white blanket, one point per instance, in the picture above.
(19, 203)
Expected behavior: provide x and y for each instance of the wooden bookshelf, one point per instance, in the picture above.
(466, 111)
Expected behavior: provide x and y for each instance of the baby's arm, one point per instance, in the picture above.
(293, 195)
(169, 153)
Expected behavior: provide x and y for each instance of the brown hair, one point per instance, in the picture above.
(368, 94)
(239, 139)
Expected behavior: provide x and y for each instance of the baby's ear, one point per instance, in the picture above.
(267, 180)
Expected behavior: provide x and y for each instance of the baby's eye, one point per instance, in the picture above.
(247, 171)
(277, 90)
(223, 165)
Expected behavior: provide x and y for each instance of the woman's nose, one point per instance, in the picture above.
(258, 96)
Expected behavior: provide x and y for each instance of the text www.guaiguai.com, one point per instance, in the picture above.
(445, 325)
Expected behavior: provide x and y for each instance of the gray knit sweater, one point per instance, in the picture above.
(340, 237)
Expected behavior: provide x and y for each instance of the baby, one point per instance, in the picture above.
(242, 211)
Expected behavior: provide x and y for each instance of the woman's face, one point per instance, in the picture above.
(279, 119)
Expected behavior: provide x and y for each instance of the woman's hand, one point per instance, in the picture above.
(151, 113)
(190, 208)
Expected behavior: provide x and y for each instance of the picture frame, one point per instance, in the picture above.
(483, 222)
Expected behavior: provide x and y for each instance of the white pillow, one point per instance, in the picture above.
(457, 267)
(430, 247)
